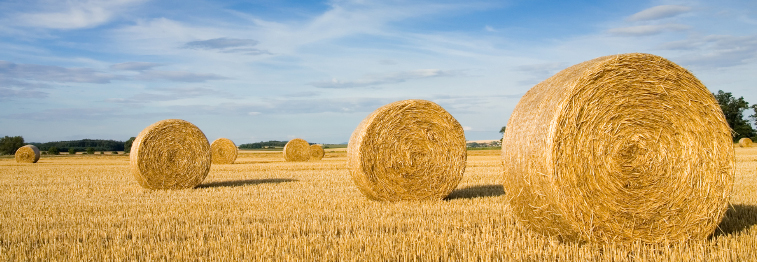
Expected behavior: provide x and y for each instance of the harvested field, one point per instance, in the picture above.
(88, 207)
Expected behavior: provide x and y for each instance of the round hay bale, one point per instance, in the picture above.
(297, 150)
(27, 154)
(621, 148)
(316, 152)
(407, 150)
(170, 154)
(224, 151)
(745, 142)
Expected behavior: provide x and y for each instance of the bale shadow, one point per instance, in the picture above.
(234, 183)
(737, 218)
(477, 191)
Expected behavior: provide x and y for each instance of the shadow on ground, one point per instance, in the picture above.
(247, 182)
(477, 191)
(737, 218)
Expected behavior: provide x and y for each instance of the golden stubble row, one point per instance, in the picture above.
(261, 208)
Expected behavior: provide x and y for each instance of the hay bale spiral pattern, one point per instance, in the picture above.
(170, 154)
(224, 151)
(297, 150)
(407, 150)
(745, 142)
(621, 148)
(316, 152)
(27, 154)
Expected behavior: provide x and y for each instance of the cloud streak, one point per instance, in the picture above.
(392, 78)
(69, 113)
(11, 93)
(659, 12)
(58, 74)
(177, 76)
(716, 51)
(647, 30)
(72, 14)
(134, 66)
(228, 45)
(170, 94)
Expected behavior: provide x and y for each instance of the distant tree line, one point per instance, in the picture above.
(83, 145)
(261, 144)
(9, 144)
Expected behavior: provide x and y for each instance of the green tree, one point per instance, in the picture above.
(127, 144)
(71, 151)
(90, 151)
(502, 130)
(733, 109)
(53, 151)
(9, 144)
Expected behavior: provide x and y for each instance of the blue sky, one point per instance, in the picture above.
(275, 70)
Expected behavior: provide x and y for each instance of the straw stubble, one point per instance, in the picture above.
(407, 150)
(620, 148)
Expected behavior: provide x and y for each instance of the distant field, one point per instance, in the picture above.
(88, 207)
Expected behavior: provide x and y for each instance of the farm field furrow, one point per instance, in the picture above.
(261, 208)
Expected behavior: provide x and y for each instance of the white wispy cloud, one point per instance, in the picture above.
(71, 14)
(391, 78)
(70, 113)
(646, 30)
(287, 106)
(34, 72)
(170, 94)
(134, 66)
(13, 93)
(228, 45)
(177, 76)
(539, 72)
(716, 50)
(659, 12)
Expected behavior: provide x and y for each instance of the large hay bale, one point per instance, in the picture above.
(170, 154)
(27, 154)
(621, 148)
(224, 151)
(297, 150)
(745, 142)
(316, 152)
(407, 150)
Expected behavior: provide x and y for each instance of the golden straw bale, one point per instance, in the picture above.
(407, 150)
(621, 148)
(224, 151)
(745, 142)
(170, 154)
(27, 154)
(297, 150)
(316, 152)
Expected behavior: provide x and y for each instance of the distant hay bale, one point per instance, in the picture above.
(621, 148)
(170, 154)
(316, 152)
(297, 150)
(27, 154)
(224, 151)
(745, 142)
(407, 150)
